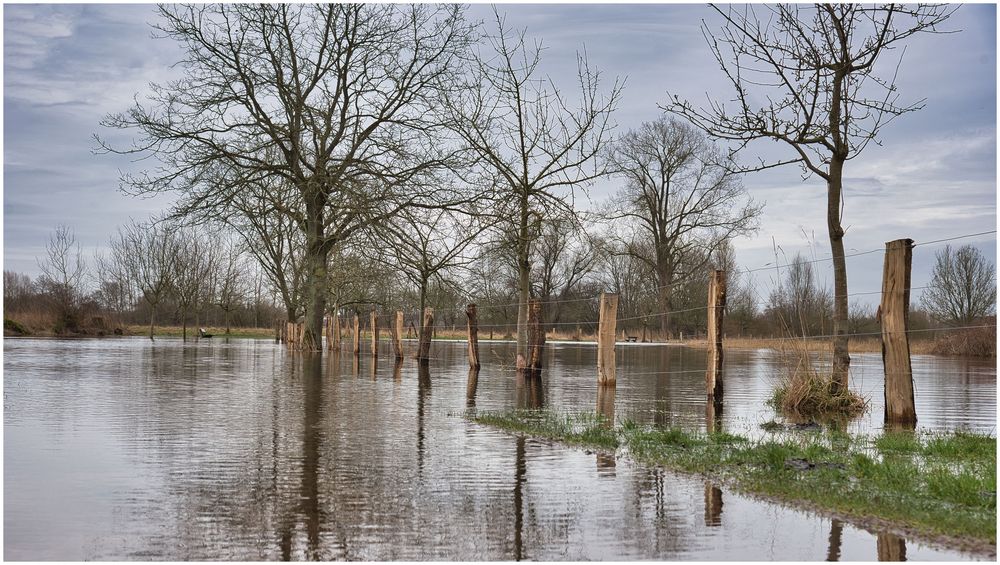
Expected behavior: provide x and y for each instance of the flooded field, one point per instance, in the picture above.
(126, 450)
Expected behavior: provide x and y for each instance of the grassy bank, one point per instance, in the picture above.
(939, 487)
(177, 331)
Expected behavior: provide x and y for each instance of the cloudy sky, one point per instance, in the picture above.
(66, 66)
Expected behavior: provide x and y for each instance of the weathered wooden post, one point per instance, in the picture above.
(895, 313)
(300, 332)
(424, 347)
(374, 326)
(716, 310)
(608, 319)
(470, 311)
(336, 330)
(357, 334)
(470, 387)
(532, 365)
(397, 334)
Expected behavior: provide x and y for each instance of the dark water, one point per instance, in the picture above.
(126, 450)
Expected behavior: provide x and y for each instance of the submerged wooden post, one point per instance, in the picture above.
(357, 335)
(716, 310)
(335, 326)
(424, 348)
(470, 312)
(374, 326)
(397, 334)
(895, 313)
(606, 338)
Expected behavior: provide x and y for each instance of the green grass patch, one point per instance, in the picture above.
(932, 484)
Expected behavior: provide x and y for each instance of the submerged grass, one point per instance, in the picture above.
(805, 393)
(934, 485)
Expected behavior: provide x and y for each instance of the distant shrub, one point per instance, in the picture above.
(972, 342)
(14, 327)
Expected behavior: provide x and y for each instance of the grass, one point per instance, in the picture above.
(176, 331)
(804, 393)
(938, 486)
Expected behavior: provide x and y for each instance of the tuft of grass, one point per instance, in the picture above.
(804, 393)
(934, 484)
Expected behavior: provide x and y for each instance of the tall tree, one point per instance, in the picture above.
(338, 100)
(681, 195)
(63, 269)
(809, 77)
(963, 286)
(532, 142)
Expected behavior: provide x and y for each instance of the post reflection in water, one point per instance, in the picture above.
(355, 362)
(397, 370)
(520, 469)
(836, 532)
(890, 547)
(528, 390)
(606, 404)
(713, 505)
(470, 387)
(374, 366)
(713, 416)
(423, 389)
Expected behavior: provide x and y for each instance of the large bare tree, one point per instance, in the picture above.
(963, 286)
(338, 100)
(813, 78)
(682, 195)
(532, 142)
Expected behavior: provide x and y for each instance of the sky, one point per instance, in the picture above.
(933, 177)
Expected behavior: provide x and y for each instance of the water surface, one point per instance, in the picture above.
(124, 449)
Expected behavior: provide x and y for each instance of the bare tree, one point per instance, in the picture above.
(564, 257)
(147, 252)
(231, 280)
(63, 270)
(191, 274)
(18, 289)
(425, 244)
(807, 77)
(963, 286)
(680, 193)
(338, 100)
(799, 304)
(531, 141)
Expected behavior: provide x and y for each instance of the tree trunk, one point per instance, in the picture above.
(665, 277)
(841, 358)
(152, 319)
(316, 274)
(523, 281)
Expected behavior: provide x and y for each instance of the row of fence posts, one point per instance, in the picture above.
(900, 410)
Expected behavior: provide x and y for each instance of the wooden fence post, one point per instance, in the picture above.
(374, 326)
(357, 334)
(606, 338)
(895, 313)
(397, 334)
(424, 348)
(470, 311)
(716, 310)
(536, 336)
(337, 330)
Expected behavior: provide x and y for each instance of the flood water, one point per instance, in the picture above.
(119, 449)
